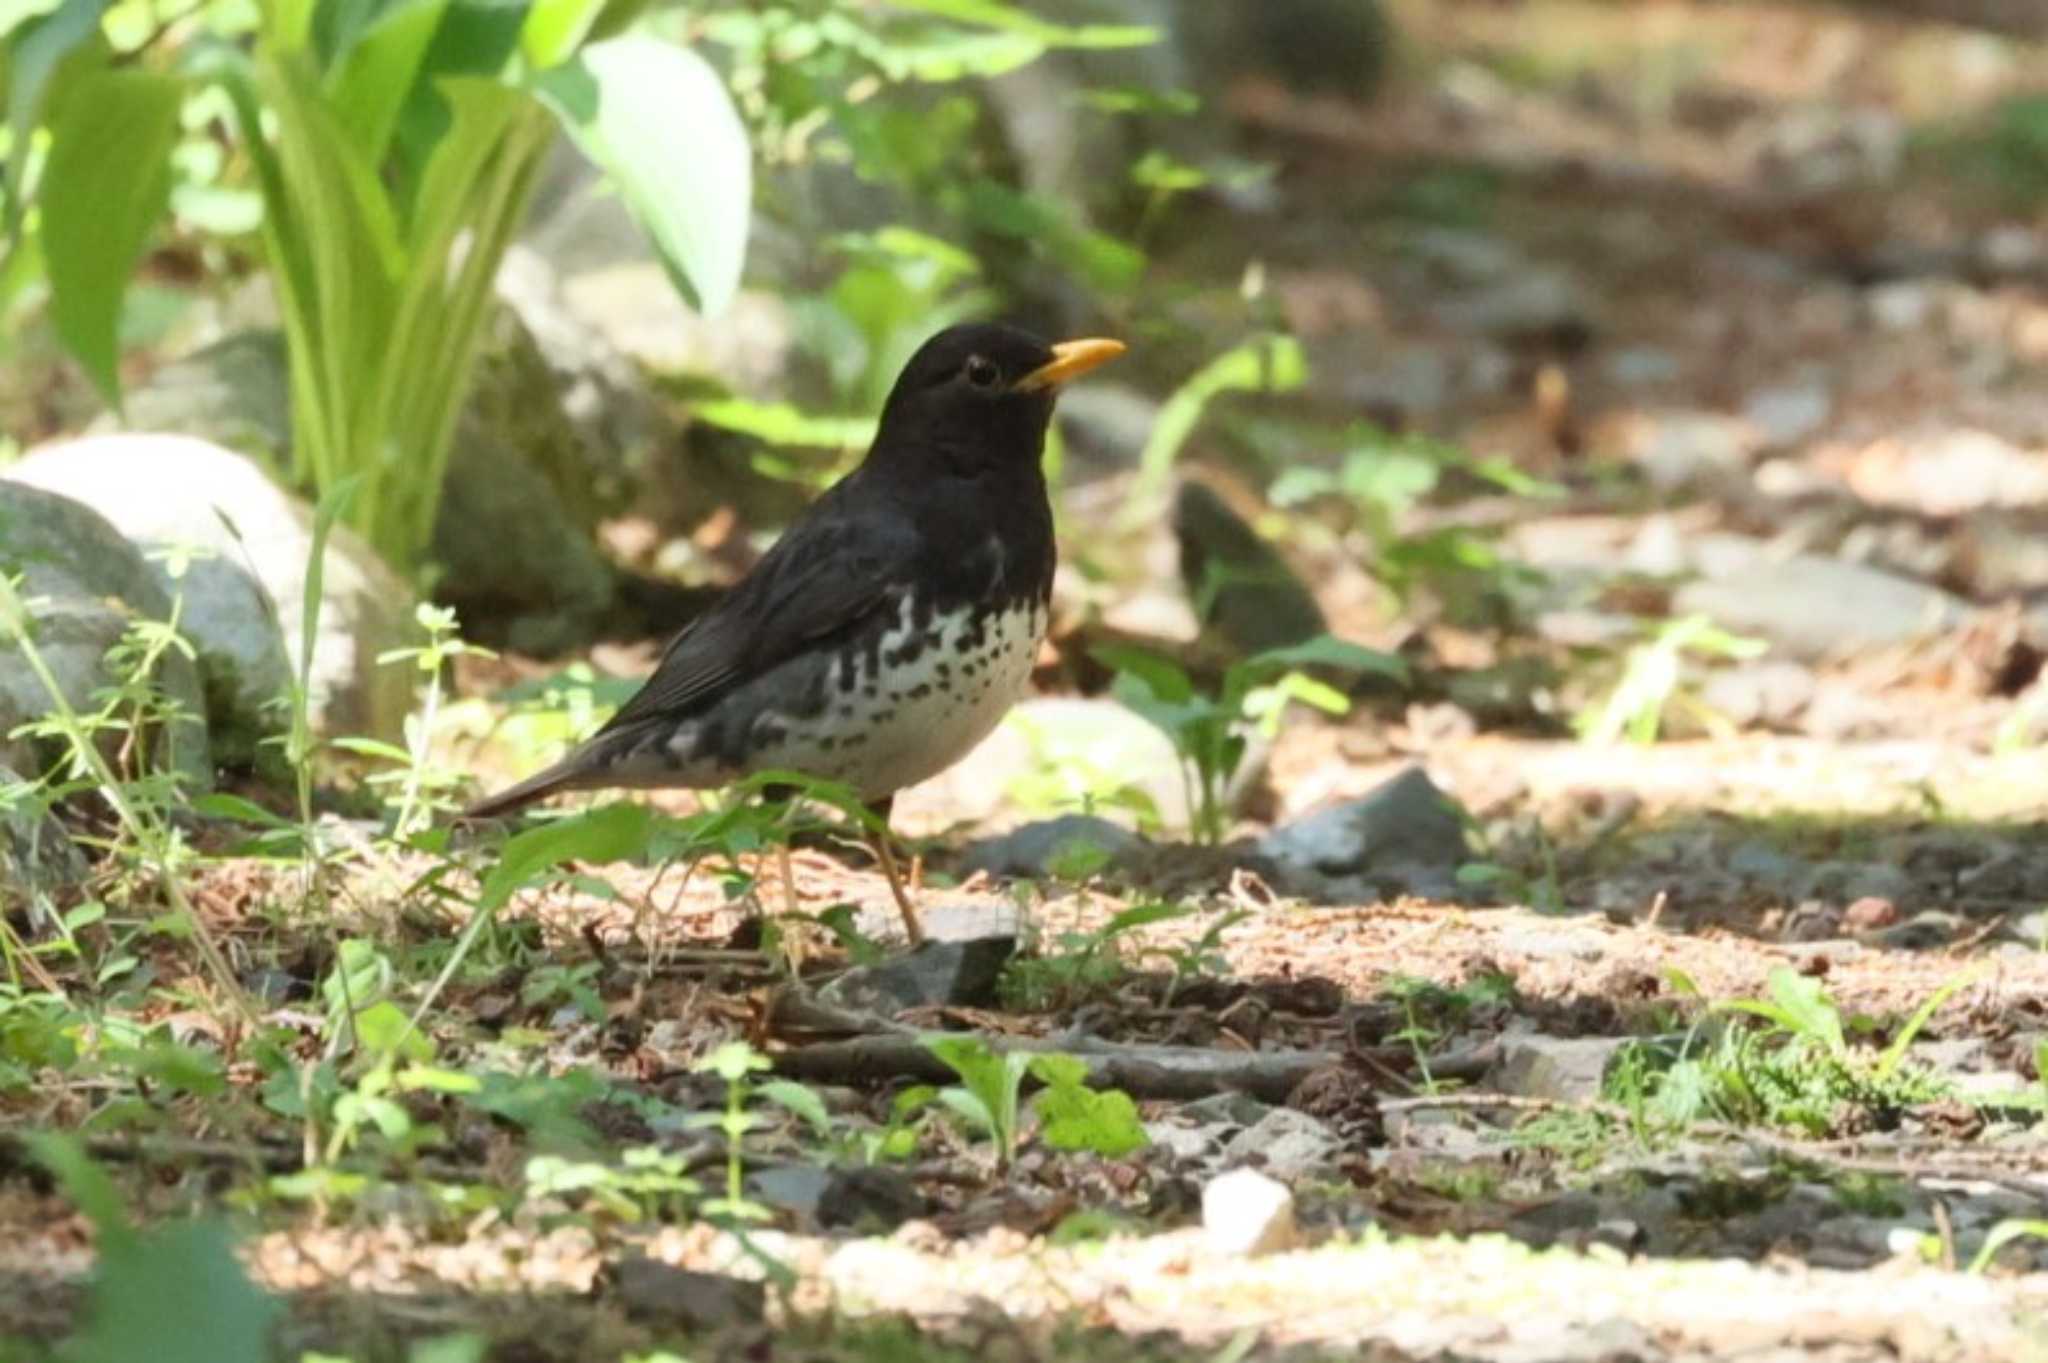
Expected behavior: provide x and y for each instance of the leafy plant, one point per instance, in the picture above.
(1071, 1115)
(1208, 731)
(395, 147)
(1799, 1069)
(735, 1062)
(1652, 677)
(1380, 478)
(1086, 963)
(423, 789)
(647, 1183)
(142, 806)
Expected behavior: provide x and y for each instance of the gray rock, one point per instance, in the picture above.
(1811, 607)
(794, 1188)
(1407, 834)
(1180, 1143)
(1639, 366)
(871, 1197)
(1844, 882)
(1677, 449)
(84, 585)
(176, 491)
(1287, 1144)
(1788, 413)
(36, 855)
(1244, 1212)
(1232, 1109)
(1566, 1069)
(1545, 1223)
(521, 499)
(1051, 847)
(1771, 694)
(672, 1298)
(1537, 302)
(959, 974)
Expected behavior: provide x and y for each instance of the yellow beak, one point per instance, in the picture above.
(1070, 360)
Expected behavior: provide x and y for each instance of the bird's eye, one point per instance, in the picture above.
(982, 373)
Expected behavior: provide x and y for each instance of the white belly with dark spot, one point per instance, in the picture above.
(932, 693)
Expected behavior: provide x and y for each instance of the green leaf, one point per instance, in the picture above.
(804, 1102)
(177, 1294)
(85, 1183)
(1326, 650)
(992, 1081)
(556, 28)
(378, 69)
(656, 118)
(35, 51)
(780, 423)
(1265, 364)
(1138, 916)
(1079, 1118)
(1160, 675)
(1895, 1054)
(1016, 19)
(221, 805)
(105, 185)
(384, 1029)
(613, 833)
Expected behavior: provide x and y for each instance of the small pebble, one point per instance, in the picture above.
(1246, 1213)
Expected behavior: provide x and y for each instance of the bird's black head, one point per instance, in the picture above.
(977, 398)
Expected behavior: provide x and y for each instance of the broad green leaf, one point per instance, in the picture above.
(221, 805)
(105, 185)
(1162, 676)
(1138, 916)
(612, 833)
(175, 1294)
(802, 1101)
(779, 423)
(1019, 19)
(384, 1029)
(15, 13)
(1326, 650)
(377, 71)
(556, 28)
(85, 1183)
(35, 49)
(1078, 1118)
(656, 118)
(1059, 1070)
(1895, 1054)
(2003, 1234)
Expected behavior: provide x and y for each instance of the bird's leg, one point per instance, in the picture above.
(879, 840)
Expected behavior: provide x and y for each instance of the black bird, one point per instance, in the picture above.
(891, 627)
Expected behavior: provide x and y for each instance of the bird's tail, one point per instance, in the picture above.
(567, 774)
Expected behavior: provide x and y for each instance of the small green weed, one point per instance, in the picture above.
(1651, 685)
(1209, 731)
(1798, 1069)
(1071, 1115)
(1087, 964)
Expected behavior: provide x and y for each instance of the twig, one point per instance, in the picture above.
(1172, 1073)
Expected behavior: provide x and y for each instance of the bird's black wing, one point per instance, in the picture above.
(827, 575)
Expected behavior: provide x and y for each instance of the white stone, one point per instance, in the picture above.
(172, 490)
(1246, 1213)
